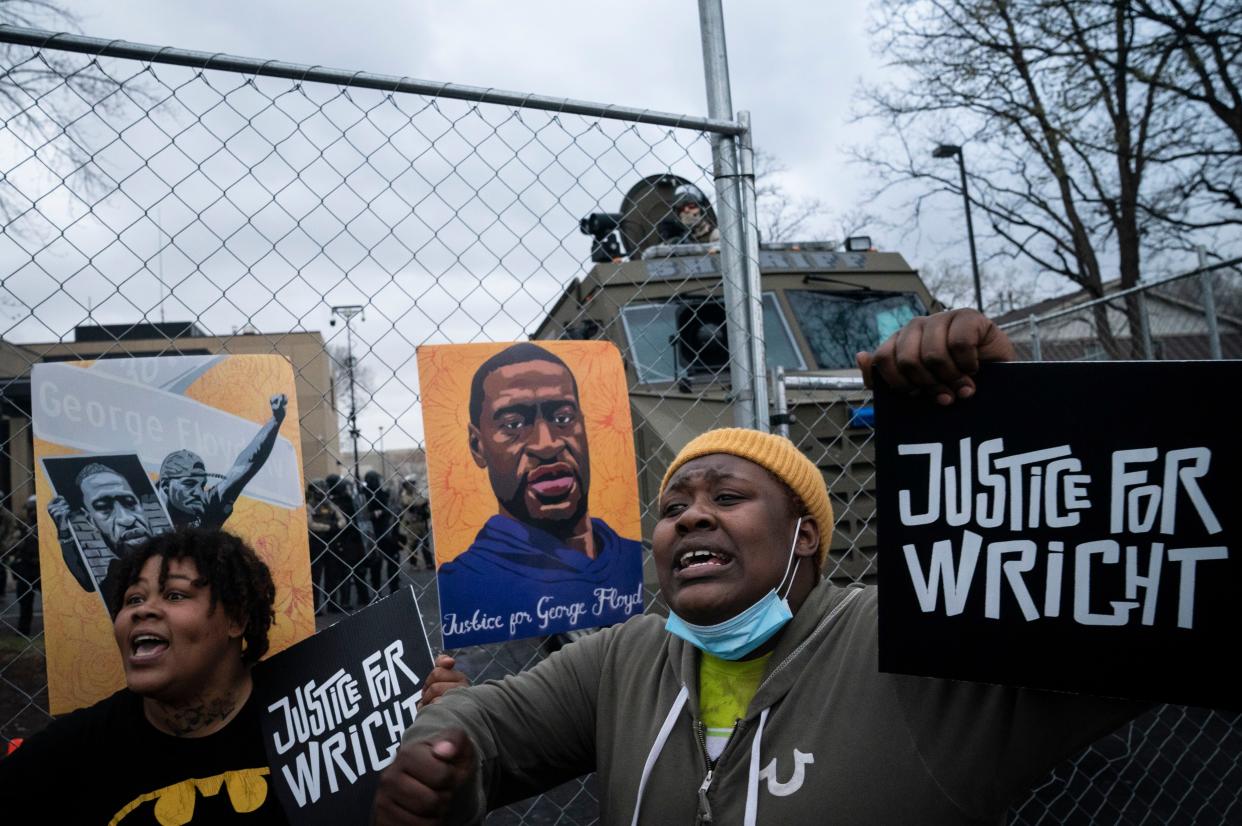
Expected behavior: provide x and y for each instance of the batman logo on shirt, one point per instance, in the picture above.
(246, 790)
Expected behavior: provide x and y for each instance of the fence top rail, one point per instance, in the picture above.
(823, 382)
(1138, 288)
(100, 47)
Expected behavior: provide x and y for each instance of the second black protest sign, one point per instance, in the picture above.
(335, 706)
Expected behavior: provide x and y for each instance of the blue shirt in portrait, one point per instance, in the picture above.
(518, 581)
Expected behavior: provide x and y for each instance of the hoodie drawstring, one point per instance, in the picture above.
(752, 785)
(657, 747)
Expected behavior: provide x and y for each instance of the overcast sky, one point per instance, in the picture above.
(794, 65)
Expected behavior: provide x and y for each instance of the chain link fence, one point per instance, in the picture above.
(158, 201)
(1175, 764)
(1194, 315)
(163, 202)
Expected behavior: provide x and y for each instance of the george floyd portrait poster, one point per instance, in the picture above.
(534, 494)
(129, 448)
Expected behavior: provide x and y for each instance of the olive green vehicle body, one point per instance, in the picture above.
(667, 412)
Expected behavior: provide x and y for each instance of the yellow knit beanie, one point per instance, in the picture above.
(779, 457)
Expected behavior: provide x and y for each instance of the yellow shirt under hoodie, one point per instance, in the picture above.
(725, 690)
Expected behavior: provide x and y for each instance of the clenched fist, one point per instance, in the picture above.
(938, 354)
(419, 786)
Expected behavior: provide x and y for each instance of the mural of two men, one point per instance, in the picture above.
(117, 509)
(542, 565)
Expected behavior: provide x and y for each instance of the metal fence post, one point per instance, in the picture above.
(1209, 305)
(1144, 329)
(729, 214)
(749, 219)
(1033, 323)
(1177, 342)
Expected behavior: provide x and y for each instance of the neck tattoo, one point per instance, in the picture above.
(186, 720)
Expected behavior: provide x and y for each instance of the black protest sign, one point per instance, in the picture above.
(336, 705)
(1072, 527)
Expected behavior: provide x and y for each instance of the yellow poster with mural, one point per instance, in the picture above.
(534, 494)
(128, 448)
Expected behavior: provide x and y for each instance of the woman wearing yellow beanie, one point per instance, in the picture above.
(759, 699)
(731, 575)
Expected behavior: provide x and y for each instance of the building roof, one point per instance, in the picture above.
(1081, 296)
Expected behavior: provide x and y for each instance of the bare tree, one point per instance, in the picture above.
(1004, 289)
(51, 104)
(1207, 39)
(1074, 161)
(363, 377)
(1205, 74)
(783, 217)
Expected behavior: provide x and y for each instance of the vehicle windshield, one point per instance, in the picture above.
(839, 325)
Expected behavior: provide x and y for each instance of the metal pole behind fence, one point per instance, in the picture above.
(1144, 329)
(353, 402)
(729, 215)
(970, 232)
(1209, 305)
(1036, 353)
(347, 312)
(383, 458)
(782, 407)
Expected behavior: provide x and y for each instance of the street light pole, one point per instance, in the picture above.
(948, 150)
(348, 312)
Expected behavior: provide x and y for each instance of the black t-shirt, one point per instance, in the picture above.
(107, 765)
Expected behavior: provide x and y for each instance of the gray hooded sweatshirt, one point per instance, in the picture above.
(827, 738)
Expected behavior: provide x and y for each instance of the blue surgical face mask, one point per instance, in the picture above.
(739, 635)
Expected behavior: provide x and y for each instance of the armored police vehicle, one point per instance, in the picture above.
(655, 290)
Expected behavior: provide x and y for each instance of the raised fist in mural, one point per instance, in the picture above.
(58, 509)
(279, 404)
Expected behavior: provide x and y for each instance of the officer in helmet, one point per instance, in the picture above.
(25, 563)
(692, 222)
(416, 524)
(387, 540)
(354, 544)
(325, 522)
